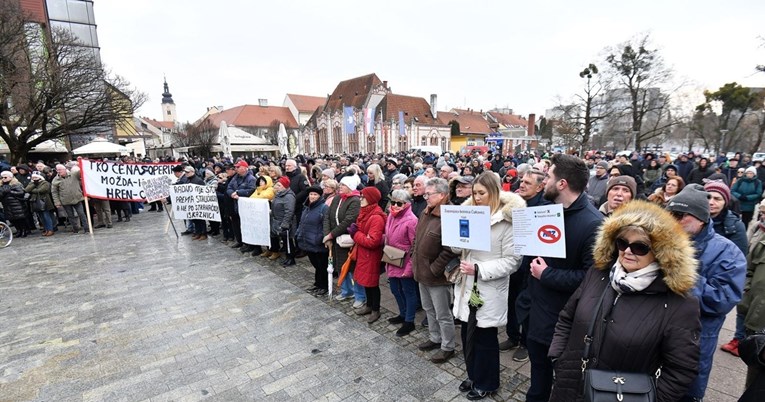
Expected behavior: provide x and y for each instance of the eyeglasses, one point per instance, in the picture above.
(637, 248)
(398, 203)
(395, 183)
(428, 195)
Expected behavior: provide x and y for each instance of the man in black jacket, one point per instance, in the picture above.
(553, 280)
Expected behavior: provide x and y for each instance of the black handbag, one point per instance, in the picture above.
(38, 205)
(614, 385)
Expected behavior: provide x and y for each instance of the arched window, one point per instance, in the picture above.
(403, 143)
(322, 141)
(353, 143)
(371, 144)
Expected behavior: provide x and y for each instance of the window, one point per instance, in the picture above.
(337, 139)
(353, 143)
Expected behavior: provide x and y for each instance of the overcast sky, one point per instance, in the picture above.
(477, 54)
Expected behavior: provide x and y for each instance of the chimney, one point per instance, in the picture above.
(263, 102)
(532, 120)
(433, 109)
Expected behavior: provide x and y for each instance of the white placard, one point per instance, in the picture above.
(539, 231)
(120, 181)
(192, 201)
(254, 214)
(466, 227)
(156, 188)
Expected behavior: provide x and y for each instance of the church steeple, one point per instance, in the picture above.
(167, 97)
(168, 106)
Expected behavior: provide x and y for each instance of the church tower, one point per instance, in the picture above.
(168, 106)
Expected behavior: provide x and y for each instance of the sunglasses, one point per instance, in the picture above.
(637, 248)
(398, 203)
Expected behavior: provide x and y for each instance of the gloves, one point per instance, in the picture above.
(353, 229)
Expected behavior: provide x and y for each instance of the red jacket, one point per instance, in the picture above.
(369, 241)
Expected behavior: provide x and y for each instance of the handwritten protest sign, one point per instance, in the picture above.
(156, 188)
(192, 201)
(120, 182)
(256, 227)
(539, 231)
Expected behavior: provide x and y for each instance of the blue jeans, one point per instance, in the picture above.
(405, 292)
(46, 219)
(348, 287)
(740, 329)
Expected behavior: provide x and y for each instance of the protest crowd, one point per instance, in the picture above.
(658, 252)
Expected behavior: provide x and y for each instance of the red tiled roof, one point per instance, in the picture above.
(352, 92)
(305, 103)
(411, 106)
(510, 119)
(160, 124)
(471, 122)
(254, 116)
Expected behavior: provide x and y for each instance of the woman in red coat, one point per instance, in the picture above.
(367, 233)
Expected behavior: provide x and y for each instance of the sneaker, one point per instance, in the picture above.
(425, 322)
(442, 356)
(731, 347)
(321, 292)
(359, 303)
(521, 354)
(342, 297)
(507, 345)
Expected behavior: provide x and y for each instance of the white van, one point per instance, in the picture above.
(434, 149)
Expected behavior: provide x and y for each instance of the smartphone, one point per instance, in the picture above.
(464, 228)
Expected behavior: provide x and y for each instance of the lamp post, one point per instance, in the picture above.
(722, 139)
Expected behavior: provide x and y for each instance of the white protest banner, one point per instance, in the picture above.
(192, 201)
(254, 214)
(118, 181)
(539, 231)
(156, 188)
(466, 227)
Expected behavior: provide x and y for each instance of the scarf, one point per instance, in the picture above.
(631, 282)
(367, 211)
(354, 193)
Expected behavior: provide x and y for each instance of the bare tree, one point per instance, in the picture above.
(640, 71)
(200, 138)
(587, 110)
(52, 86)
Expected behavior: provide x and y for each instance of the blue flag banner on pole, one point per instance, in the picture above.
(349, 120)
(401, 124)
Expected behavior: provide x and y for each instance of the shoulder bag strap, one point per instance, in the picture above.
(590, 329)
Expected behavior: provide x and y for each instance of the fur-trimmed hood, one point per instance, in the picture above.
(507, 203)
(672, 247)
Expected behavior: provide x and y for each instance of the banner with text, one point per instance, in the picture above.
(192, 201)
(118, 181)
(255, 219)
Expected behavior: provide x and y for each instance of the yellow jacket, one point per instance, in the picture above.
(265, 191)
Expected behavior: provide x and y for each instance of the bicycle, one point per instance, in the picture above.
(6, 235)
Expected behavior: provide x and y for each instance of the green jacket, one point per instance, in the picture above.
(67, 190)
(752, 304)
(40, 189)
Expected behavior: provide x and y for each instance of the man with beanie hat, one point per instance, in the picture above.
(722, 268)
(620, 190)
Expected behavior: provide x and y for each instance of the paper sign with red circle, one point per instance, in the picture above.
(548, 234)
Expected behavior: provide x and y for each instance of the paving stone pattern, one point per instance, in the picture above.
(132, 314)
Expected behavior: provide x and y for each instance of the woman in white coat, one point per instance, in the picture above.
(492, 269)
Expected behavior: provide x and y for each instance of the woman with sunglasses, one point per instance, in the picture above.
(399, 233)
(492, 270)
(645, 270)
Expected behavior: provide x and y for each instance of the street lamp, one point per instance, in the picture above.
(722, 138)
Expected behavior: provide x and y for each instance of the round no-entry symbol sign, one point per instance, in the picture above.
(548, 234)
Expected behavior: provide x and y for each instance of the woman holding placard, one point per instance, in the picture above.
(480, 301)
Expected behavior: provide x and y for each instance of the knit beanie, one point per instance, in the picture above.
(626, 181)
(751, 169)
(38, 175)
(371, 194)
(692, 200)
(719, 187)
(284, 181)
(329, 173)
(351, 182)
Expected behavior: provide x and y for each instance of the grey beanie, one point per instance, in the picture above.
(692, 200)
